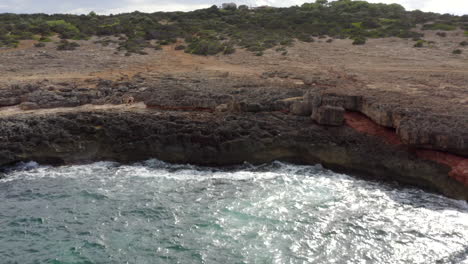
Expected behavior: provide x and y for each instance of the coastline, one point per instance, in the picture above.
(215, 139)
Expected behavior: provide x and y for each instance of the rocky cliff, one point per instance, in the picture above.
(208, 122)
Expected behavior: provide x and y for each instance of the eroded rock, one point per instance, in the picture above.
(329, 115)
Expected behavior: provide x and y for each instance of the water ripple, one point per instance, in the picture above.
(155, 212)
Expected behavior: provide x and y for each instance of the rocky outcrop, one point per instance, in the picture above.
(301, 108)
(223, 122)
(215, 139)
(329, 115)
(9, 101)
(414, 126)
(436, 132)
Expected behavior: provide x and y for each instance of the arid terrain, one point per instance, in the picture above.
(417, 97)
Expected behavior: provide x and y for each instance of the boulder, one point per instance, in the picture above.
(222, 108)
(301, 108)
(9, 101)
(329, 115)
(437, 132)
(28, 106)
(250, 107)
(234, 106)
(348, 102)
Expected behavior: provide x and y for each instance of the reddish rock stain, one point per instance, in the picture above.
(363, 124)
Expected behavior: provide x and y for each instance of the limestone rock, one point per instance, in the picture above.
(9, 101)
(28, 106)
(301, 108)
(329, 115)
(436, 132)
(222, 108)
(250, 107)
(234, 106)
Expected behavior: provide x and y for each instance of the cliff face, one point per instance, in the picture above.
(215, 139)
(223, 121)
(437, 138)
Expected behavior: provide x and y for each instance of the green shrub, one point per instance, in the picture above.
(359, 40)
(255, 30)
(441, 34)
(464, 43)
(205, 47)
(229, 49)
(457, 51)
(419, 43)
(305, 38)
(64, 29)
(167, 42)
(67, 45)
(45, 39)
(180, 47)
(439, 26)
(39, 45)
(134, 45)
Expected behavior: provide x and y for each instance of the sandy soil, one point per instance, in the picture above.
(391, 69)
(15, 110)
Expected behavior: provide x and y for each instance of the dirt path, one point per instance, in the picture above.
(15, 110)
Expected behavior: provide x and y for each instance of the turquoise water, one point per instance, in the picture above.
(153, 212)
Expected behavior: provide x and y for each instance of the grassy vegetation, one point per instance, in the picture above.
(440, 26)
(67, 45)
(419, 43)
(214, 30)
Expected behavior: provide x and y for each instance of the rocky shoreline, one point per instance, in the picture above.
(300, 124)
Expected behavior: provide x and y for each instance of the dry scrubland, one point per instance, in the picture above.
(419, 94)
(390, 68)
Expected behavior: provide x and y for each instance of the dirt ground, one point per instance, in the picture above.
(391, 69)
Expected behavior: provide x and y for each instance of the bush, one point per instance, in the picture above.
(305, 38)
(419, 43)
(229, 49)
(441, 34)
(464, 43)
(134, 45)
(439, 26)
(44, 39)
(64, 29)
(208, 46)
(67, 45)
(457, 51)
(255, 30)
(180, 47)
(39, 45)
(359, 41)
